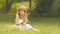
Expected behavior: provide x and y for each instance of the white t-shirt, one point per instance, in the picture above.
(26, 27)
(20, 21)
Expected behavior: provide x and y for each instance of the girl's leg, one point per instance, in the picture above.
(35, 29)
(28, 26)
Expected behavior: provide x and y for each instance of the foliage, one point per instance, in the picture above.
(47, 7)
(38, 7)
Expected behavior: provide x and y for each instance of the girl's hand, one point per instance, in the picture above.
(17, 24)
(24, 23)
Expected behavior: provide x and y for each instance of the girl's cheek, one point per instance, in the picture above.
(23, 12)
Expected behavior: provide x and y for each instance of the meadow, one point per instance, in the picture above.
(46, 25)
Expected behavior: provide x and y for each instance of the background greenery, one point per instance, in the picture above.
(36, 7)
(44, 15)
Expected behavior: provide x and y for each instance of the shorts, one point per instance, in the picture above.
(26, 27)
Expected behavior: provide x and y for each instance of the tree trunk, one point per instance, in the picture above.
(8, 5)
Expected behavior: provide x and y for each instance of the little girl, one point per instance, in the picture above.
(21, 19)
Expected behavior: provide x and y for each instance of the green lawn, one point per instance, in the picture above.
(46, 25)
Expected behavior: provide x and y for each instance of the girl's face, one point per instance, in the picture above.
(21, 12)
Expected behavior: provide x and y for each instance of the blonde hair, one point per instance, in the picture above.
(25, 11)
(24, 17)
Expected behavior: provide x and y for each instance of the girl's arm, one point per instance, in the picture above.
(25, 20)
(16, 20)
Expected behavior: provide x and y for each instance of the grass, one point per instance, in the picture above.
(46, 25)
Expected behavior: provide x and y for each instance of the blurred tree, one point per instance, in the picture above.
(30, 4)
(55, 8)
(8, 4)
(47, 7)
(43, 6)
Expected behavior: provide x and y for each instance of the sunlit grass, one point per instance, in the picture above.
(46, 25)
